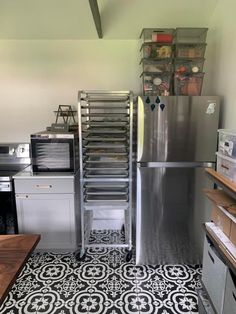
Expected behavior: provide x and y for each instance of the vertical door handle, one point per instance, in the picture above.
(211, 257)
(234, 296)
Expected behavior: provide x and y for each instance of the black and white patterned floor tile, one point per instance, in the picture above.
(103, 283)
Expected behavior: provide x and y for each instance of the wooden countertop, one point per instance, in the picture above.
(14, 253)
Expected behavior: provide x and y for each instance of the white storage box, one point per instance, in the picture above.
(226, 166)
(227, 142)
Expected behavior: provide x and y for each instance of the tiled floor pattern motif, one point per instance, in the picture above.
(103, 283)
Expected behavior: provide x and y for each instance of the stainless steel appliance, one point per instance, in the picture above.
(14, 157)
(55, 151)
(176, 140)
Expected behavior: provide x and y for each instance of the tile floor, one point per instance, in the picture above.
(102, 283)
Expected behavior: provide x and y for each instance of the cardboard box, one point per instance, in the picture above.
(224, 212)
(219, 197)
(232, 236)
(221, 220)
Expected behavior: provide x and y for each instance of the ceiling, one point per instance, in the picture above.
(120, 19)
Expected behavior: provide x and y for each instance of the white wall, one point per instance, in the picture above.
(38, 75)
(221, 60)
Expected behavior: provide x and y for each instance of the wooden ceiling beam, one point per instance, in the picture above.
(96, 16)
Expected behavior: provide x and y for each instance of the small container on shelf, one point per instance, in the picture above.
(190, 35)
(188, 65)
(160, 35)
(188, 84)
(156, 50)
(163, 65)
(226, 166)
(156, 83)
(190, 50)
(227, 142)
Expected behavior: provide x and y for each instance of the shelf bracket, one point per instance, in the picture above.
(96, 17)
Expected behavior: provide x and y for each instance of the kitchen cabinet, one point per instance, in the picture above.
(214, 264)
(49, 206)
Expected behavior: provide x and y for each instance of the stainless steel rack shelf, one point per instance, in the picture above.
(105, 132)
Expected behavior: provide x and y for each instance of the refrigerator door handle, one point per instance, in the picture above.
(175, 164)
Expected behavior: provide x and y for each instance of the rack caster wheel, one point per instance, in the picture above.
(79, 256)
(128, 256)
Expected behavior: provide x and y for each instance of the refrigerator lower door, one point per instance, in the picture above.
(170, 211)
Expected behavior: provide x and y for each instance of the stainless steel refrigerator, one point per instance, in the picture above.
(176, 141)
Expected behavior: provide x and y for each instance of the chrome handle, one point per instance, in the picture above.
(43, 186)
(20, 196)
(211, 257)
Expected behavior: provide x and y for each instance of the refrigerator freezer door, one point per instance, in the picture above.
(177, 128)
(170, 213)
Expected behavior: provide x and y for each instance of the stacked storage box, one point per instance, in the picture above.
(156, 61)
(189, 59)
(226, 155)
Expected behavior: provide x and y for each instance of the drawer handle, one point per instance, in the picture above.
(225, 167)
(212, 259)
(21, 196)
(44, 186)
(234, 296)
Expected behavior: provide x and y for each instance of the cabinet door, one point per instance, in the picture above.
(51, 215)
(214, 275)
(229, 306)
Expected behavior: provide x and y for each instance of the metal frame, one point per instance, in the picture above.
(84, 113)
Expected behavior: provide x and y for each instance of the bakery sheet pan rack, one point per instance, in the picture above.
(105, 131)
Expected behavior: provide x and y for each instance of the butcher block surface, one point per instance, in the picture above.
(14, 253)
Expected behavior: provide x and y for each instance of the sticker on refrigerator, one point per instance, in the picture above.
(211, 108)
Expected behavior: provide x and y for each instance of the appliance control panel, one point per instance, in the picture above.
(14, 150)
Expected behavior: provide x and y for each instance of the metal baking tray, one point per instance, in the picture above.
(108, 115)
(106, 198)
(106, 167)
(105, 123)
(106, 191)
(102, 130)
(105, 138)
(106, 172)
(106, 159)
(105, 145)
(101, 98)
(105, 153)
(91, 174)
(103, 185)
(108, 106)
